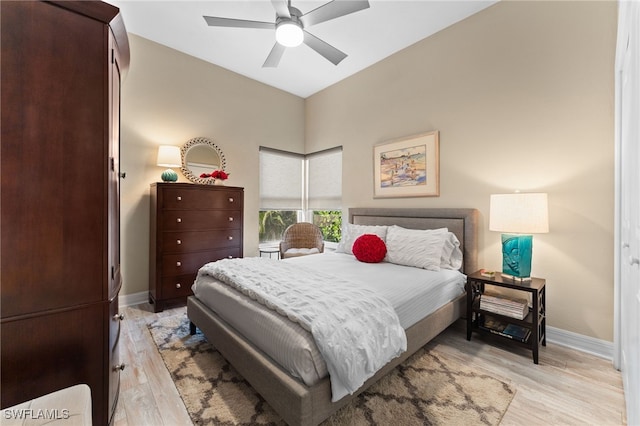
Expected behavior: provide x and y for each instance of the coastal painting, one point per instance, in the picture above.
(407, 167)
(404, 167)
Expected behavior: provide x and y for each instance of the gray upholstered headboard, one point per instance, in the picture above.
(462, 222)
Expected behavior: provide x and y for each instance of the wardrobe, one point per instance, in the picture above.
(61, 70)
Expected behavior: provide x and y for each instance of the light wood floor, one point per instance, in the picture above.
(567, 387)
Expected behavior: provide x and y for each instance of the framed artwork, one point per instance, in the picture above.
(408, 167)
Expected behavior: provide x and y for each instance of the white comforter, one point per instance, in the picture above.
(356, 330)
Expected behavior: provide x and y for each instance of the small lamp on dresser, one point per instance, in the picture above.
(518, 215)
(169, 156)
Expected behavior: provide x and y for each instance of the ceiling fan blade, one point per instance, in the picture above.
(281, 7)
(274, 57)
(329, 52)
(332, 10)
(214, 21)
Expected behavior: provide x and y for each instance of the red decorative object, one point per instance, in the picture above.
(369, 248)
(216, 174)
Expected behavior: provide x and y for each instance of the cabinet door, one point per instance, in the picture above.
(53, 158)
(113, 364)
(46, 353)
(114, 274)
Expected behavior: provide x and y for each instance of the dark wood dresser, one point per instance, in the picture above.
(61, 68)
(190, 225)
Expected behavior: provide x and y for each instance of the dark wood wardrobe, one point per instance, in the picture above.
(62, 64)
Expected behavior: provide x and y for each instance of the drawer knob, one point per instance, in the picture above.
(230, 238)
(118, 317)
(179, 220)
(179, 198)
(178, 242)
(178, 263)
(118, 367)
(178, 285)
(230, 199)
(230, 219)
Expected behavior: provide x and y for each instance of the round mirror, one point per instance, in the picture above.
(201, 155)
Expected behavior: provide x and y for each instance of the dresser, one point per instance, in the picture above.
(62, 64)
(190, 225)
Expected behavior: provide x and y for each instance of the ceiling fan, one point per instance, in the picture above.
(290, 27)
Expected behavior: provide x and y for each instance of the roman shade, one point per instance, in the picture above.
(281, 180)
(324, 179)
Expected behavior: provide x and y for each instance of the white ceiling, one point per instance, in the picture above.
(367, 36)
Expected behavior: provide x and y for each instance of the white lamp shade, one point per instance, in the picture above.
(169, 156)
(519, 213)
(289, 33)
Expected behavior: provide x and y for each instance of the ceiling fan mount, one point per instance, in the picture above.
(294, 13)
(290, 27)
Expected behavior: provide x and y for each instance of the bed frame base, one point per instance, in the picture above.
(295, 402)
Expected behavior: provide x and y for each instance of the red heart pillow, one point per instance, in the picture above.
(369, 248)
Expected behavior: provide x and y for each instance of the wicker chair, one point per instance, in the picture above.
(301, 239)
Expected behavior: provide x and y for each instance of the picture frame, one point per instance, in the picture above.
(407, 167)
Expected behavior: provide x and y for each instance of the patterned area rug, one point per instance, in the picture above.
(427, 389)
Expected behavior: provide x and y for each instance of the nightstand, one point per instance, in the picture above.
(270, 251)
(483, 321)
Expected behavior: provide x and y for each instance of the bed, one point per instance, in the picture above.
(310, 403)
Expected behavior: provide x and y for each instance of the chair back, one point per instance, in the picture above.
(302, 235)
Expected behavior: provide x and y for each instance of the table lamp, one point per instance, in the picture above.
(169, 156)
(518, 216)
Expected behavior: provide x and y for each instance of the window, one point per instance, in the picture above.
(300, 188)
(330, 223)
(281, 192)
(324, 192)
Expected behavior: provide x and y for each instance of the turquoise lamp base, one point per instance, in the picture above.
(516, 256)
(169, 176)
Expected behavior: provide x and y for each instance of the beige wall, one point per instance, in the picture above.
(168, 98)
(522, 94)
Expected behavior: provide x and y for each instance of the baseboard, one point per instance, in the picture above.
(580, 342)
(133, 299)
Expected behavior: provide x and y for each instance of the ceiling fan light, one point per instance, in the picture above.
(289, 34)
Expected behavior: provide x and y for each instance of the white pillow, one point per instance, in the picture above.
(414, 247)
(351, 232)
(451, 254)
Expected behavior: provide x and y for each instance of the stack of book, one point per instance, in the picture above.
(512, 331)
(499, 304)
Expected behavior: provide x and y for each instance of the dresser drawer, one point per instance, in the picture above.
(188, 263)
(194, 220)
(177, 286)
(189, 241)
(193, 198)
